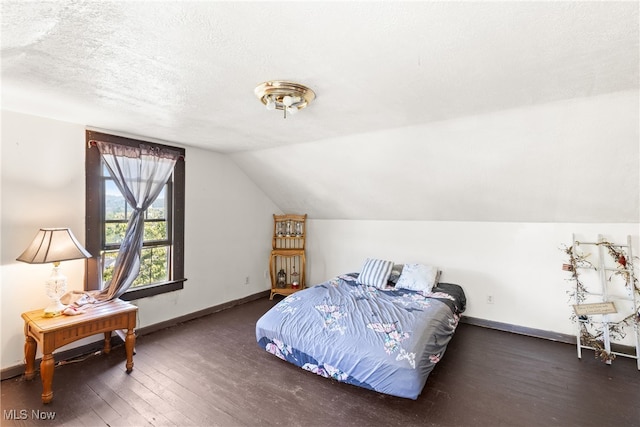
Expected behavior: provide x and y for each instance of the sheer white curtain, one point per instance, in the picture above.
(140, 173)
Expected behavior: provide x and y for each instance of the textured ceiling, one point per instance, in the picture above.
(185, 71)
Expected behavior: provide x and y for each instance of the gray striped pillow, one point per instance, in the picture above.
(375, 272)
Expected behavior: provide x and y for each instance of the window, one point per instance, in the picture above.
(107, 215)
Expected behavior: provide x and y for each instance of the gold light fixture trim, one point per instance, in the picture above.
(284, 95)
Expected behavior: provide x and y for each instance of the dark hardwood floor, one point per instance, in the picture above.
(211, 372)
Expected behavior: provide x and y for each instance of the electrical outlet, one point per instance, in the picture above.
(246, 280)
(489, 299)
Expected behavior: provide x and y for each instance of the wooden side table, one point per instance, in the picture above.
(54, 332)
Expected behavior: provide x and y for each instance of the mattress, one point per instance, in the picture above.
(388, 341)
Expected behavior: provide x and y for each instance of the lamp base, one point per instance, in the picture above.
(56, 287)
(54, 309)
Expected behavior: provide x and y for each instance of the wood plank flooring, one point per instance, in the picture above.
(211, 372)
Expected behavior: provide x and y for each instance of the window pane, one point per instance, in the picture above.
(155, 231)
(115, 205)
(114, 232)
(158, 210)
(108, 262)
(154, 266)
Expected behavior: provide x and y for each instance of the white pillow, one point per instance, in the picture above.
(417, 277)
(375, 272)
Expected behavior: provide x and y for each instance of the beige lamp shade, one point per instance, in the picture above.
(53, 245)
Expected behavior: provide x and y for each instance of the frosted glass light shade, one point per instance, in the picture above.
(271, 105)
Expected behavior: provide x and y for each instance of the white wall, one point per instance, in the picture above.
(227, 231)
(42, 186)
(519, 264)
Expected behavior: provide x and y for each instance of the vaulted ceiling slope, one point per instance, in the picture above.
(471, 111)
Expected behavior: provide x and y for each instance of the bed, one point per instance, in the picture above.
(382, 338)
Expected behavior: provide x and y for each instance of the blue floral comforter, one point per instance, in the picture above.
(384, 340)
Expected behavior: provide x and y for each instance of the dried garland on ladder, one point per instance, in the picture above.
(624, 269)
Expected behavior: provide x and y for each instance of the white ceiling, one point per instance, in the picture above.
(185, 71)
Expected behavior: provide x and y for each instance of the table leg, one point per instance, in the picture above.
(107, 342)
(30, 358)
(129, 344)
(46, 372)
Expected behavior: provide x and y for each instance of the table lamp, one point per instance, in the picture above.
(54, 245)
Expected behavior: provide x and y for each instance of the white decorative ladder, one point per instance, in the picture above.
(601, 266)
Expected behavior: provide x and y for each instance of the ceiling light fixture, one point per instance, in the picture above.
(283, 95)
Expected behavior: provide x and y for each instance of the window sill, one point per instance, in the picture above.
(155, 289)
